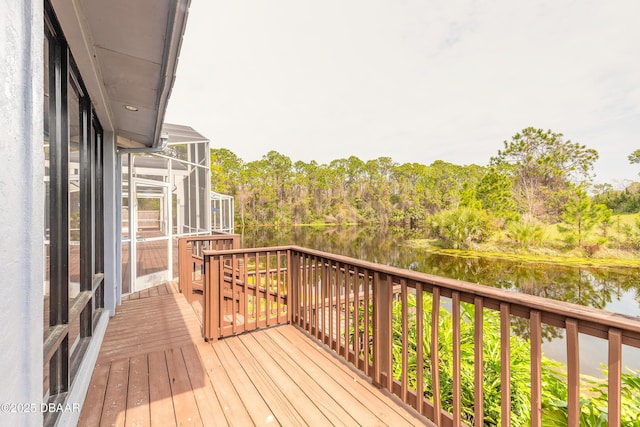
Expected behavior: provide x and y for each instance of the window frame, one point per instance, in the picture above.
(60, 355)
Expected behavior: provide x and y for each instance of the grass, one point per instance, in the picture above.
(553, 250)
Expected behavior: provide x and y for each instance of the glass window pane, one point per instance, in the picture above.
(126, 268)
(74, 194)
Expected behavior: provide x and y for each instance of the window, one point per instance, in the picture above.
(73, 205)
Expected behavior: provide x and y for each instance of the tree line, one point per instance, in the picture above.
(539, 177)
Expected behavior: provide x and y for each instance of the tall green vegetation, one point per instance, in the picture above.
(631, 234)
(554, 381)
(537, 178)
(460, 228)
(635, 156)
(277, 191)
(520, 365)
(580, 217)
(526, 233)
(620, 201)
(543, 167)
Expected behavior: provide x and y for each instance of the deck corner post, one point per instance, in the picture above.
(290, 286)
(211, 309)
(182, 265)
(235, 241)
(382, 330)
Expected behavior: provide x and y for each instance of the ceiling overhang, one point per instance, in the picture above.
(127, 53)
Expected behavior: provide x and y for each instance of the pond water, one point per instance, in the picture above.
(616, 290)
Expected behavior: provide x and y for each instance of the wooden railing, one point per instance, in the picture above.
(245, 289)
(191, 260)
(372, 315)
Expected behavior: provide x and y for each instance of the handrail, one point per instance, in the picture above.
(366, 313)
(494, 296)
(190, 260)
(244, 290)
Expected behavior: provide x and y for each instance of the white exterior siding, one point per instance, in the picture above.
(21, 213)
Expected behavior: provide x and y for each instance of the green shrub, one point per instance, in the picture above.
(631, 234)
(460, 228)
(554, 379)
(527, 234)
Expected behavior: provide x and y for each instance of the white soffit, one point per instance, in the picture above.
(127, 52)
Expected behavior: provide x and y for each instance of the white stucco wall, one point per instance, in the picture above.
(21, 209)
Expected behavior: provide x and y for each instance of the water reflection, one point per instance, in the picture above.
(613, 289)
(593, 287)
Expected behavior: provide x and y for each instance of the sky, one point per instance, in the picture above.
(414, 80)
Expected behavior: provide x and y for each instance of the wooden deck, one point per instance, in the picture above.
(154, 369)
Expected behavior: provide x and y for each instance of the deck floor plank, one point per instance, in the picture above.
(277, 400)
(206, 399)
(138, 392)
(161, 402)
(314, 405)
(256, 406)
(115, 399)
(233, 408)
(184, 401)
(286, 356)
(155, 369)
(383, 406)
(95, 395)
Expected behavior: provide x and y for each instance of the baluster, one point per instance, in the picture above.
(573, 372)
(536, 368)
(455, 319)
(478, 379)
(505, 364)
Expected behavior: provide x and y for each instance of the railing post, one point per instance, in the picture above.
(235, 241)
(382, 330)
(290, 285)
(573, 373)
(297, 284)
(211, 300)
(615, 375)
(182, 265)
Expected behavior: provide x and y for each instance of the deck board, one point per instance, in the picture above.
(160, 401)
(155, 369)
(326, 384)
(233, 409)
(138, 392)
(115, 400)
(383, 406)
(273, 395)
(184, 402)
(296, 382)
(205, 396)
(251, 397)
(96, 394)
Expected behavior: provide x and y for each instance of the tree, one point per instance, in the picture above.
(544, 166)
(495, 192)
(225, 169)
(635, 157)
(407, 194)
(620, 201)
(580, 216)
(444, 184)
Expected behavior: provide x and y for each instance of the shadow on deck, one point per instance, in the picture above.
(154, 368)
